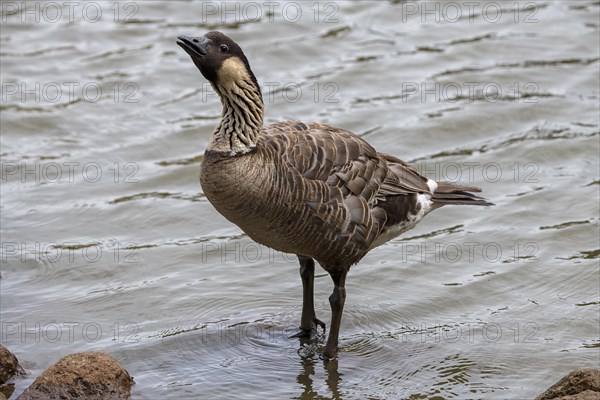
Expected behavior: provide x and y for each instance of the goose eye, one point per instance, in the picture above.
(224, 48)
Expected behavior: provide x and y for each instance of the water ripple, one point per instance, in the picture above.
(523, 64)
(158, 195)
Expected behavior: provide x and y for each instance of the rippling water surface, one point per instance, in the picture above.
(108, 242)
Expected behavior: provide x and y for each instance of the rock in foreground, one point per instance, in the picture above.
(9, 365)
(581, 384)
(91, 375)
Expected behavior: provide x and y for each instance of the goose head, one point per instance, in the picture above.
(220, 60)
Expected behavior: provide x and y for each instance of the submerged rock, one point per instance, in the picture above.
(581, 384)
(9, 365)
(91, 375)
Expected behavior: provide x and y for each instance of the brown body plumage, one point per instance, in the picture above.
(309, 189)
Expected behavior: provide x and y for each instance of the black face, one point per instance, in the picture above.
(210, 51)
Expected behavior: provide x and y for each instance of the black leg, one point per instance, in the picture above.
(336, 300)
(308, 321)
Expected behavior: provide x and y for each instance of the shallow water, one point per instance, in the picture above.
(108, 242)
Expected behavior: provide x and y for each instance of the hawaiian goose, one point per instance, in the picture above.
(309, 189)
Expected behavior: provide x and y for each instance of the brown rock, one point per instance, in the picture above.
(585, 395)
(581, 384)
(92, 375)
(9, 365)
(6, 391)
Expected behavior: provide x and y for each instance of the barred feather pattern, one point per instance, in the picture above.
(241, 117)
